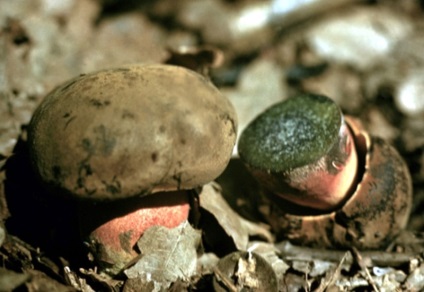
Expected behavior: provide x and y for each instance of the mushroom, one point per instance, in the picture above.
(331, 183)
(110, 137)
(302, 150)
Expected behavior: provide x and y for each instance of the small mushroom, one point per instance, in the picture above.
(331, 183)
(111, 137)
(302, 150)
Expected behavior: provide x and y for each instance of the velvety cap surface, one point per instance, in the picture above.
(291, 134)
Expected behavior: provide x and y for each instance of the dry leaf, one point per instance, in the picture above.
(270, 253)
(233, 224)
(415, 281)
(10, 280)
(168, 254)
(244, 271)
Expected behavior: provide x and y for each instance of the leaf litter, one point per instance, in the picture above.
(166, 255)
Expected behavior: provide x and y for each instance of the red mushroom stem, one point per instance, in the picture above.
(113, 229)
(326, 184)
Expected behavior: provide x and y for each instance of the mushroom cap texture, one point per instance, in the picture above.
(291, 134)
(130, 131)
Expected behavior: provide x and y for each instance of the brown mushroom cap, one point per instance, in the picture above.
(134, 130)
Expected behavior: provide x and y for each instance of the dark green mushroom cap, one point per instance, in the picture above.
(291, 134)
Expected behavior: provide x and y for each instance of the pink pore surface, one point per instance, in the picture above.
(168, 209)
(325, 190)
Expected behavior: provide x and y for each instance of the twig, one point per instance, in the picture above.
(362, 265)
(325, 284)
(377, 258)
(224, 279)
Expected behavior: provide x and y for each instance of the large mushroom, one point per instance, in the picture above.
(109, 138)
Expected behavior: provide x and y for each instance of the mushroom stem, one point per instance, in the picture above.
(327, 183)
(112, 229)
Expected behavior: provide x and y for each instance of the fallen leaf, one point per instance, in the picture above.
(415, 281)
(235, 226)
(168, 255)
(10, 280)
(244, 271)
(270, 253)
